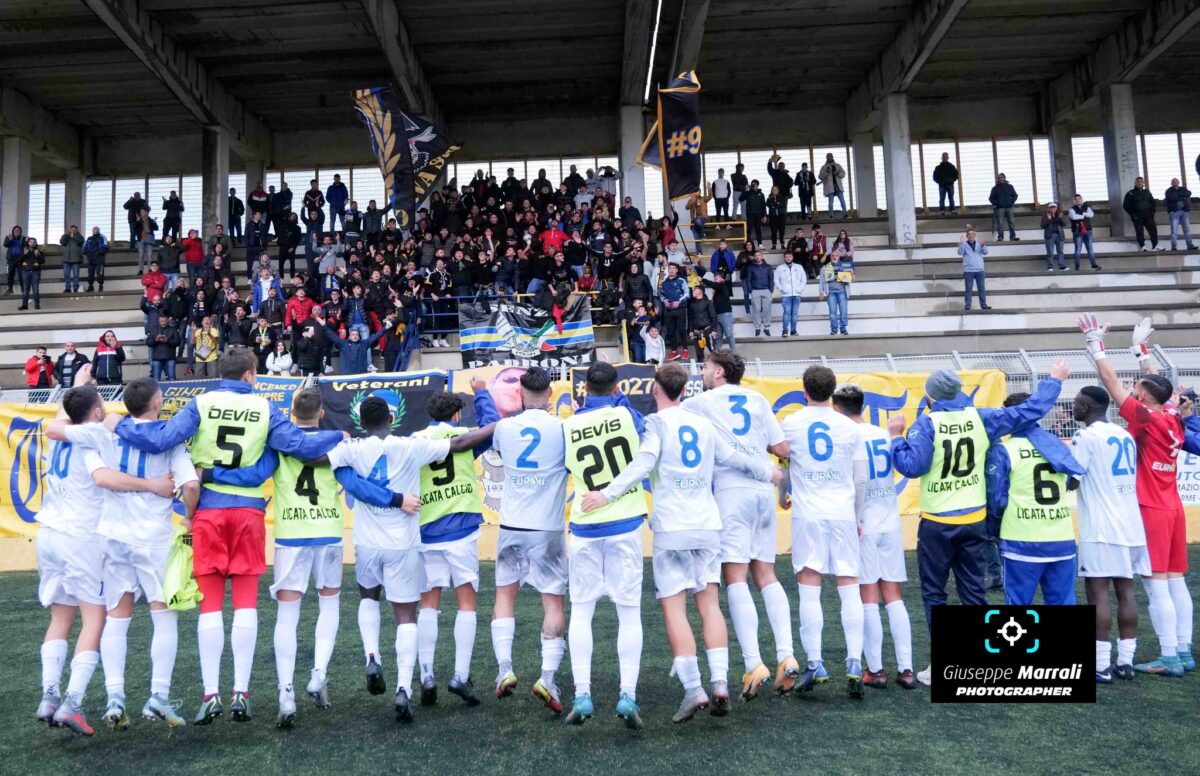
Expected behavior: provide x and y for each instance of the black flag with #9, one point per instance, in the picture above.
(673, 144)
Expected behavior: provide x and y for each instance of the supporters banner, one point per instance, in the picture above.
(277, 390)
(411, 149)
(519, 334)
(633, 380)
(407, 394)
(673, 144)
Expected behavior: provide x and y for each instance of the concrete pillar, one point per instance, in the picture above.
(76, 191)
(1062, 163)
(863, 144)
(632, 133)
(14, 186)
(1120, 152)
(897, 160)
(214, 167)
(256, 172)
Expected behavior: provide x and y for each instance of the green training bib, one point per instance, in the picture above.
(1036, 510)
(306, 501)
(232, 433)
(599, 444)
(955, 482)
(448, 486)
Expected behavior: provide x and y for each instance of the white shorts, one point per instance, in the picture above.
(294, 566)
(679, 571)
(398, 571)
(826, 546)
(131, 568)
(1113, 561)
(535, 558)
(747, 525)
(70, 568)
(609, 566)
(881, 557)
(451, 564)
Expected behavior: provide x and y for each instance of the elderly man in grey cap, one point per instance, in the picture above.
(945, 451)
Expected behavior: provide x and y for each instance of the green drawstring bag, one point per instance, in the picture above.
(179, 586)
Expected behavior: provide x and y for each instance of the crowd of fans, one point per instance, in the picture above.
(301, 284)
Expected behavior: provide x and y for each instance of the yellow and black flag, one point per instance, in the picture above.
(673, 144)
(410, 148)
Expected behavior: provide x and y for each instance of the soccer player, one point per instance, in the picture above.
(604, 551)
(945, 449)
(387, 540)
(135, 531)
(1158, 434)
(679, 451)
(70, 558)
(748, 517)
(880, 547)
(451, 513)
(308, 542)
(1112, 541)
(823, 445)
(229, 426)
(1027, 490)
(531, 548)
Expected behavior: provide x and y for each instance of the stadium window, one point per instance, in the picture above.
(653, 192)
(977, 172)
(37, 211)
(1191, 156)
(1012, 156)
(237, 180)
(56, 210)
(880, 179)
(298, 181)
(722, 160)
(1043, 171)
(123, 189)
(98, 207)
(500, 169)
(1091, 178)
(756, 167)
(582, 165)
(1162, 161)
(467, 170)
(274, 178)
(157, 190)
(325, 179)
(368, 185)
(191, 191)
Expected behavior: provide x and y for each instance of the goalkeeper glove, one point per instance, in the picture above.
(1093, 334)
(1141, 338)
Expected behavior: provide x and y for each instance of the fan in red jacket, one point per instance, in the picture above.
(39, 370)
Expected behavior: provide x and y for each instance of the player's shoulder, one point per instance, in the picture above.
(868, 432)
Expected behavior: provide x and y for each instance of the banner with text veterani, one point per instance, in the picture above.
(22, 451)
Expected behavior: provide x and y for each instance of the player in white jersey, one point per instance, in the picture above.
(823, 444)
(135, 530)
(747, 421)
(70, 559)
(531, 548)
(1112, 538)
(881, 545)
(386, 540)
(678, 451)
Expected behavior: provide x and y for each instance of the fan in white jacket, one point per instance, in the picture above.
(790, 279)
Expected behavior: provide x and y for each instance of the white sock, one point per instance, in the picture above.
(1126, 649)
(579, 633)
(812, 622)
(745, 622)
(83, 665)
(328, 616)
(54, 657)
(629, 647)
(1162, 614)
(503, 631)
(901, 628)
(464, 644)
(872, 637)
(427, 634)
(242, 637)
(286, 621)
(687, 670)
(779, 612)
(210, 641)
(718, 664)
(113, 646)
(852, 620)
(368, 628)
(163, 646)
(406, 655)
(1103, 655)
(552, 655)
(1183, 613)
